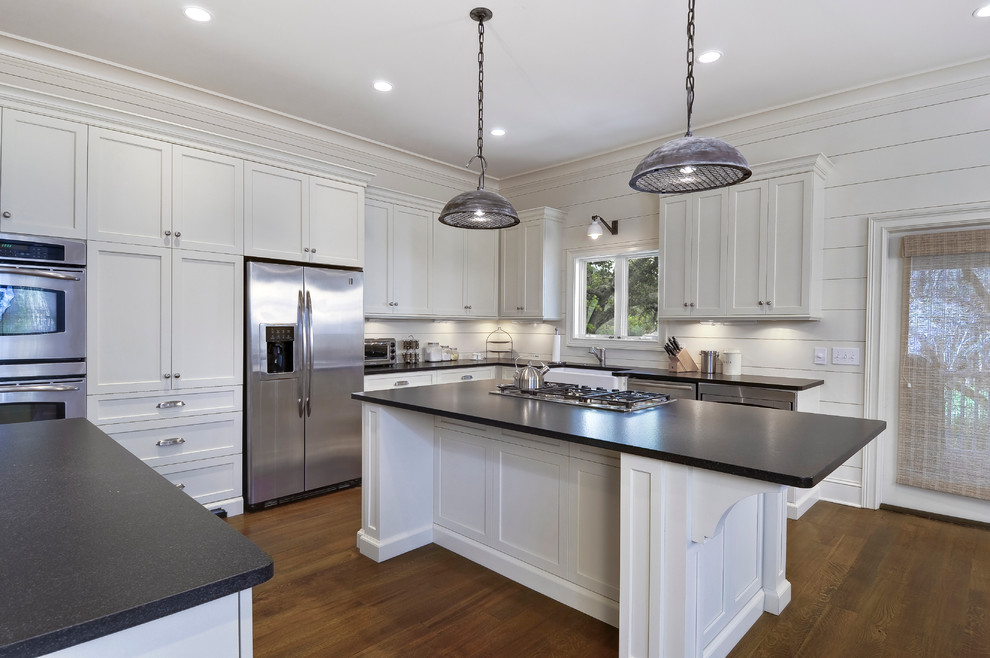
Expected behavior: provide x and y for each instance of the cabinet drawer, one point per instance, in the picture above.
(182, 439)
(558, 446)
(207, 480)
(594, 454)
(464, 375)
(130, 407)
(384, 382)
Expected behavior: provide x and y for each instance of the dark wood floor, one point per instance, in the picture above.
(865, 583)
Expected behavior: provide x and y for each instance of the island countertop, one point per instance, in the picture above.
(94, 541)
(784, 447)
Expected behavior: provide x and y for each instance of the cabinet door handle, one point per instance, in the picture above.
(171, 404)
(177, 441)
(6, 214)
(179, 485)
(466, 377)
(401, 382)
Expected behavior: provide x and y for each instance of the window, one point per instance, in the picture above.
(616, 297)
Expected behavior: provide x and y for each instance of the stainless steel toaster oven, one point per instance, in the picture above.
(379, 351)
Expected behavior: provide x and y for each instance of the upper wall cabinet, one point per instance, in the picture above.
(531, 264)
(293, 216)
(464, 272)
(130, 183)
(397, 268)
(693, 229)
(751, 251)
(42, 175)
(207, 201)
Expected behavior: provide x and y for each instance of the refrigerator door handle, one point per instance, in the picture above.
(309, 360)
(300, 323)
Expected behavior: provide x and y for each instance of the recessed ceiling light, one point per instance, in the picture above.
(982, 12)
(198, 14)
(498, 132)
(709, 56)
(382, 85)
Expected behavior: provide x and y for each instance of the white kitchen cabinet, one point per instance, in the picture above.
(593, 555)
(42, 175)
(693, 236)
(130, 182)
(398, 242)
(425, 378)
(293, 216)
(462, 497)
(531, 266)
(464, 272)
(207, 201)
(775, 244)
(162, 319)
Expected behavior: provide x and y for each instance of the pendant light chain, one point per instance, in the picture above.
(689, 83)
(481, 102)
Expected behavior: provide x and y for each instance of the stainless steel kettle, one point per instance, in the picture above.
(530, 378)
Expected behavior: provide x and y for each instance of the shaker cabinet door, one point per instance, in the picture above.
(207, 201)
(336, 223)
(129, 320)
(276, 212)
(207, 317)
(130, 182)
(43, 181)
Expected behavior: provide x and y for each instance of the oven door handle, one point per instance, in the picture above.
(46, 274)
(38, 388)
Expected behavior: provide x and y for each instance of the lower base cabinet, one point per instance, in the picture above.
(426, 378)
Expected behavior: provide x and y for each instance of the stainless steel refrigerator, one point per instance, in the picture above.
(304, 347)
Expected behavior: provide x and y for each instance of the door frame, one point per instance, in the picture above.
(877, 359)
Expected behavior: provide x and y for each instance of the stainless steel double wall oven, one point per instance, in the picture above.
(42, 328)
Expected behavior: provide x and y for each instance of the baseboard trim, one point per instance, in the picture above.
(557, 588)
(935, 517)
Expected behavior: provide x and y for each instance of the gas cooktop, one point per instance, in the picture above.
(586, 396)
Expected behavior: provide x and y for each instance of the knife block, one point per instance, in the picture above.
(682, 362)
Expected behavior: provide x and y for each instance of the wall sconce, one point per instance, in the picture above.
(595, 230)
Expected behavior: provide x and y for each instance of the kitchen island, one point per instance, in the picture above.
(667, 522)
(102, 556)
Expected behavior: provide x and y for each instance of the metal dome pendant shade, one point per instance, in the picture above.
(480, 208)
(689, 163)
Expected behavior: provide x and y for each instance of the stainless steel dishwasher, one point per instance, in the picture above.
(676, 390)
(750, 396)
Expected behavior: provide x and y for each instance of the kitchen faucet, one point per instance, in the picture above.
(598, 353)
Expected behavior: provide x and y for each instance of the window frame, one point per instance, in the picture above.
(576, 260)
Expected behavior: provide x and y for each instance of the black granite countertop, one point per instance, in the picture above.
(656, 374)
(784, 447)
(93, 541)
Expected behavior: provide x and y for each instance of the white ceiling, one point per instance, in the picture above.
(566, 78)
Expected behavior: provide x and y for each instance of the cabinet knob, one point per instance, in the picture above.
(168, 375)
(760, 302)
(685, 304)
(177, 234)
(313, 250)
(692, 304)
(168, 233)
(306, 249)
(769, 303)
(6, 214)
(180, 486)
(175, 375)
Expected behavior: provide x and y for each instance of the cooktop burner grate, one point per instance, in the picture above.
(586, 396)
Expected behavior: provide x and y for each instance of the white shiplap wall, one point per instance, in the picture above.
(909, 144)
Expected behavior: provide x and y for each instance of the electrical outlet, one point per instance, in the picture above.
(845, 356)
(821, 356)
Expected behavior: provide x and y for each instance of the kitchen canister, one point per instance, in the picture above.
(731, 362)
(708, 360)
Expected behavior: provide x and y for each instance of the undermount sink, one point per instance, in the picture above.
(593, 376)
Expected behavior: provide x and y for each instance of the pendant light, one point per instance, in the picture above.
(480, 208)
(689, 163)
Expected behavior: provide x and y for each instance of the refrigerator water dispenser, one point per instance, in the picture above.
(279, 339)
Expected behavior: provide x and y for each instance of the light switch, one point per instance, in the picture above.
(821, 356)
(845, 356)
